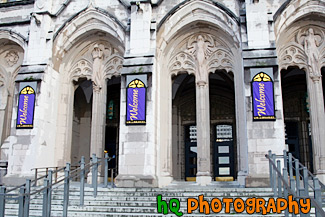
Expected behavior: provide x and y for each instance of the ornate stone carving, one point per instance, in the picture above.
(220, 59)
(306, 49)
(11, 57)
(97, 64)
(113, 66)
(98, 56)
(201, 55)
(82, 69)
(292, 55)
(311, 44)
(182, 62)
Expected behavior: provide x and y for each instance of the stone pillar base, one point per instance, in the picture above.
(15, 180)
(321, 176)
(165, 180)
(241, 177)
(203, 179)
(100, 179)
(257, 181)
(134, 181)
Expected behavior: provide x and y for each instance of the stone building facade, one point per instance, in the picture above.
(197, 60)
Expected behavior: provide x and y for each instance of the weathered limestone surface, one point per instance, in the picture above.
(59, 44)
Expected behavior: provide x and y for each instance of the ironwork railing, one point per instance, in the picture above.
(25, 192)
(294, 180)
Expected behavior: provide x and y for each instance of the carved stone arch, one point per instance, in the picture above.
(292, 11)
(300, 41)
(85, 23)
(79, 62)
(292, 22)
(177, 42)
(203, 13)
(11, 57)
(11, 35)
(292, 50)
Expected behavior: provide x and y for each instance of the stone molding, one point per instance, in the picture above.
(213, 56)
(87, 21)
(289, 13)
(205, 13)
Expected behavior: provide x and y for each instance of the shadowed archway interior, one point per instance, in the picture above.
(296, 115)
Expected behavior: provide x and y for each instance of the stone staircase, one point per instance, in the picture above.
(123, 202)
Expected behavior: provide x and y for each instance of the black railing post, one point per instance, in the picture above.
(106, 170)
(2, 200)
(35, 183)
(317, 196)
(305, 177)
(82, 180)
(285, 159)
(274, 176)
(95, 174)
(270, 168)
(49, 193)
(21, 201)
(45, 197)
(278, 165)
(290, 169)
(285, 189)
(66, 190)
(27, 198)
(297, 177)
(304, 191)
(112, 178)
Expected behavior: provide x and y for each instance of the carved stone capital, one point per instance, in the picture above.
(201, 83)
(96, 88)
(315, 78)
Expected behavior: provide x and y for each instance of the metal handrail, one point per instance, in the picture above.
(278, 179)
(310, 173)
(25, 193)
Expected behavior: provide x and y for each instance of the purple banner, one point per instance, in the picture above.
(136, 105)
(263, 102)
(25, 115)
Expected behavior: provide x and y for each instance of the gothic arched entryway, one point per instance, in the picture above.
(223, 126)
(184, 150)
(296, 115)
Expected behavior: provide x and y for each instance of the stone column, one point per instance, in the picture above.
(98, 118)
(97, 138)
(315, 93)
(203, 175)
(98, 121)
(317, 123)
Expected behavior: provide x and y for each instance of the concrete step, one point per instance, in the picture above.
(120, 202)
